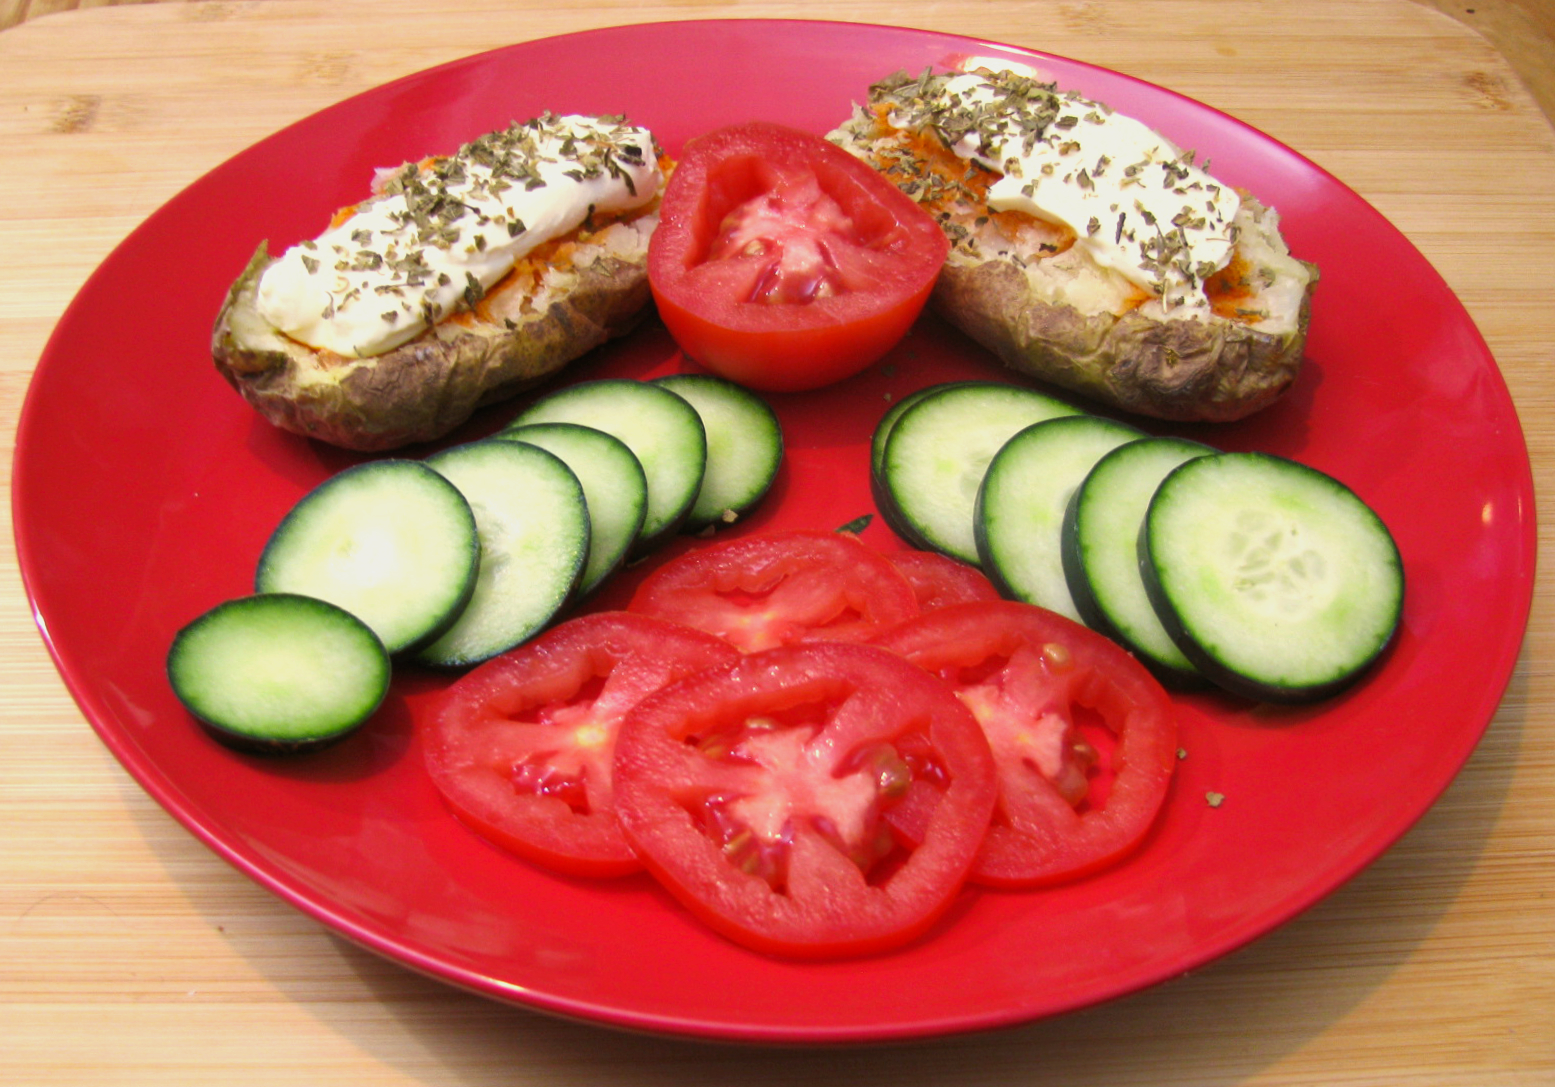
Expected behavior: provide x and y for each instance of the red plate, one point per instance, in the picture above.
(144, 489)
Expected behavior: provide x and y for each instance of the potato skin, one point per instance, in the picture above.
(422, 390)
(1212, 370)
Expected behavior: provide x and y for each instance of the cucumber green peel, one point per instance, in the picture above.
(278, 672)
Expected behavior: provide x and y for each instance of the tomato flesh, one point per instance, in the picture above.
(780, 242)
(759, 794)
(780, 588)
(784, 263)
(1084, 738)
(938, 580)
(522, 747)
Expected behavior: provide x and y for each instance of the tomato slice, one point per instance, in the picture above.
(939, 580)
(783, 262)
(780, 588)
(522, 746)
(1084, 737)
(758, 793)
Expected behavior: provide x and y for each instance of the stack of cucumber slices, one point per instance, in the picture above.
(1249, 571)
(453, 559)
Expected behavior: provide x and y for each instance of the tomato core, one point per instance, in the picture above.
(787, 230)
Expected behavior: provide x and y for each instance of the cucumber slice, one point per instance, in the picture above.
(744, 447)
(390, 541)
(888, 422)
(533, 523)
(278, 673)
(661, 429)
(937, 452)
(614, 488)
(1019, 512)
(1101, 551)
(1274, 579)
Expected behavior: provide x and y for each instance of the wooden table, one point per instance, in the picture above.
(130, 954)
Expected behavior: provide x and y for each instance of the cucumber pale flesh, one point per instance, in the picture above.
(744, 447)
(390, 541)
(1019, 516)
(614, 488)
(1274, 579)
(532, 518)
(937, 452)
(661, 429)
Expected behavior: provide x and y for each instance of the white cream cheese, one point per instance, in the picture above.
(437, 239)
(1137, 204)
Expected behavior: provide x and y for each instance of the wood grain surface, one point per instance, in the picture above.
(129, 954)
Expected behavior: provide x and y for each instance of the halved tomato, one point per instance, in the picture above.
(779, 588)
(1084, 737)
(784, 263)
(759, 794)
(522, 747)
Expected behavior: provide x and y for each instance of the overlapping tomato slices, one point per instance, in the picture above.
(938, 580)
(812, 746)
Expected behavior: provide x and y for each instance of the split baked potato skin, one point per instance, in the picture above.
(424, 389)
(1024, 291)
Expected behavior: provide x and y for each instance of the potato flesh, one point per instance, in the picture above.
(1060, 272)
(1018, 285)
(556, 305)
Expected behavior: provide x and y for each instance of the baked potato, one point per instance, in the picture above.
(445, 323)
(1089, 252)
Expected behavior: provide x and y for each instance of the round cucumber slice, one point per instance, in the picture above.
(888, 420)
(390, 541)
(533, 523)
(1274, 579)
(1101, 551)
(937, 452)
(278, 672)
(614, 487)
(1019, 514)
(661, 429)
(744, 447)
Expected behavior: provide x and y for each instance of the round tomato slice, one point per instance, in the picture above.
(783, 262)
(759, 794)
(780, 588)
(938, 580)
(522, 747)
(1084, 737)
